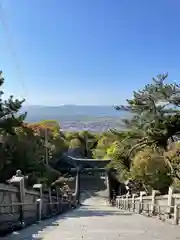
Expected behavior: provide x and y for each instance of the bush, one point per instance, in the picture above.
(150, 168)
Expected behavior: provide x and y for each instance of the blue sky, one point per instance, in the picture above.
(87, 51)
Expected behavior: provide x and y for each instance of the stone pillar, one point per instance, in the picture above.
(39, 188)
(118, 203)
(124, 203)
(176, 214)
(61, 199)
(170, 199)
(50, 200)
(109, 188)
(39, 201)
(77, 187)
(18, 181)
(38, 210)
(133, 202)
(153, 202)
(127, 202)
(142, 193)
(58, 199)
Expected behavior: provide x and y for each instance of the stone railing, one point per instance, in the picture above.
(20, 207)
(164, 207)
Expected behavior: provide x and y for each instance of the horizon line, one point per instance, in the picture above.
(70, 105)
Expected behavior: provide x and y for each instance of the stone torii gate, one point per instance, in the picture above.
(81, 165)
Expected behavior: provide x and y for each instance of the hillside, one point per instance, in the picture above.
(73, 117)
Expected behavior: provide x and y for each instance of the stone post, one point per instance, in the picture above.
(77, 187)
(118, 202)
(39, 188)
(18, 180)
(170, 199)
(50, 200)
(176, 214)
(124, 203)
(127, 202)
(140, 208)
(133, 202)
(153, 201)
(39, 201)
(108, 178)
(61, 199)
(38, 210)
(58, 199)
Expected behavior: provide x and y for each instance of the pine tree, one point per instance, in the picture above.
(155, 117)
(9, 116)
(155, 112)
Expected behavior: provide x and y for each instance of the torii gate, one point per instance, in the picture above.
(79, 165)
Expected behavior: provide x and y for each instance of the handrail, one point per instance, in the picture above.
(162, 211)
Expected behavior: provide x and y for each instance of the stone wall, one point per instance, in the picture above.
(8, 212)
(8, 194)
(165, 207)
(17, 212)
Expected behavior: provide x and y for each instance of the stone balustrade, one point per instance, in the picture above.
(164, 207)
(20, 207)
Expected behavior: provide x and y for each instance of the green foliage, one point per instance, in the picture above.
(101, 148)
(84, 140)
(141, 153)
(155, 119)
(151, 170)
(155, 112)
(71, 135)
(9, 118)
(75, 143)
(22, 146)
(51, 125)
(104, 142)
(172, 158)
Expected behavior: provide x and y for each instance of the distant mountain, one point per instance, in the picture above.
(75, 117)
(69, 112)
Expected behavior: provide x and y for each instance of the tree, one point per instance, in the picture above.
(155, 111)
(150, 169)
(9, 117)
(102, 146)
(118, 152)
(10, 120)
(172, 158)
(23, 146)
(76, 149)
(155, 115)
(50, 134)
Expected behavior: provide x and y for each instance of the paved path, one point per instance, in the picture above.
(97, 221)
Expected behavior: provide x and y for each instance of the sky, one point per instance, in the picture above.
(86, 52)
